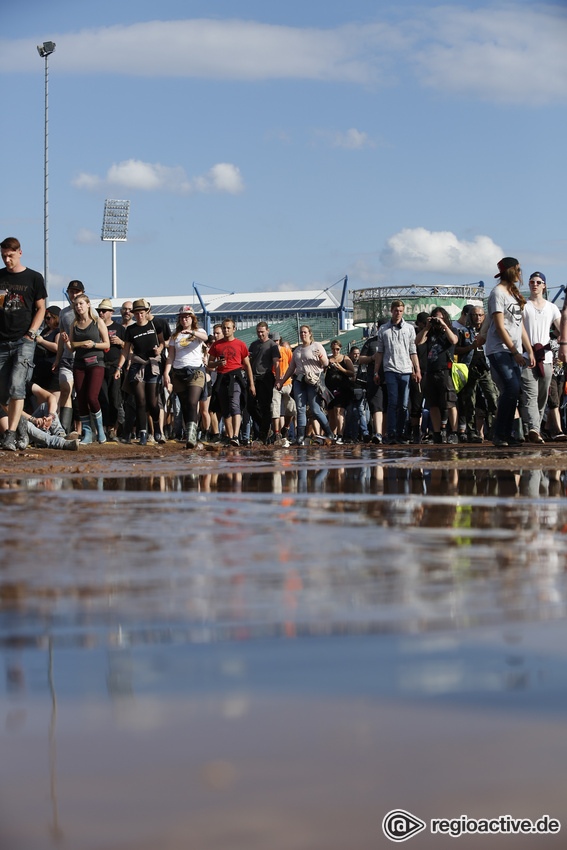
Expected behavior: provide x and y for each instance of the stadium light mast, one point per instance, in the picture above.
(45, 50)
(115, 229)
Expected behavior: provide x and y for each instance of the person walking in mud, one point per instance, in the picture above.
(229, 358)
(184, 371)
(22, 295)
(505, 338)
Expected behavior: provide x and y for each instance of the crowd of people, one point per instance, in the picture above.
(74, 376)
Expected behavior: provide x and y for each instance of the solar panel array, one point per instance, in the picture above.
(262, 306)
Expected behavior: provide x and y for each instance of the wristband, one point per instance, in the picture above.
(563, 342)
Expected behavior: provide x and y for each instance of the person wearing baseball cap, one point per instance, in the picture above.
(63, 366)
(110, 391)
(504, 341)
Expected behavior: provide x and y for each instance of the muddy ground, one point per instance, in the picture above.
(118, 459)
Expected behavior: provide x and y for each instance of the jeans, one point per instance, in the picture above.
(507, 376)
(398, 398)
(16, 361)
(355, 417)
(535, 389)
(306, 394)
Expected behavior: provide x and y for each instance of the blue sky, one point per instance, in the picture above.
(270, 146)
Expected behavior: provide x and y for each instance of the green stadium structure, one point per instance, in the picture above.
(371, 305)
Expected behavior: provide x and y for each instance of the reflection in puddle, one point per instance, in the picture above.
(375, 479)
(218, 659)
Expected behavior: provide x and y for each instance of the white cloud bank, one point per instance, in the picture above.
(133, 174)
(512, 53)
(422, 250)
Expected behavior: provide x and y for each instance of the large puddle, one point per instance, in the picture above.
(277, 656)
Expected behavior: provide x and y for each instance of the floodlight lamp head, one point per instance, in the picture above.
(46, 49)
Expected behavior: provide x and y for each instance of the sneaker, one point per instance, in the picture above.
(285, 444)
(366, 438)
(559, 438)
(474, 437)
(453, 439)
(9, 443)
(234, 441)
(161, 439)
(534, 436)
(462, 438)
(377, 439)
(71, 445)
(150, 440)
(111, 436)
(300, 441)
(214, 438)
(339, 440)
(390, 440)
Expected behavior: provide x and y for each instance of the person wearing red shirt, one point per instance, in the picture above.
(229, 357)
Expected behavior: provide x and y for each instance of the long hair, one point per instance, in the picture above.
(92, 314)
(179, 326)
(310, 332)
(508, 278)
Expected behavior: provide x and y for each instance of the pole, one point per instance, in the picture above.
(114, 268)
(46, 186)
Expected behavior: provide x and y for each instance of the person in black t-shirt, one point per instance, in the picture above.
(265, 362)
(144, 372)
(22, 308)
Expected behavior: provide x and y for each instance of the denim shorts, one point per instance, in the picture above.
(16, 365)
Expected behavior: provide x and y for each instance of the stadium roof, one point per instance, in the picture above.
(235, 303)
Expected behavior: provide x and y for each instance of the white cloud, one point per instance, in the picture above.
(133, 174)
(442, 252)
(514, 52)
(225, 49)
(84, 236)
(353, 140)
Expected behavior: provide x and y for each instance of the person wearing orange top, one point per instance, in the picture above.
(283, 396)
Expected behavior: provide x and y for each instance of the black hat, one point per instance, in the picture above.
(506, 263)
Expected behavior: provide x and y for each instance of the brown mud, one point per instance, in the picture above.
(122, 460)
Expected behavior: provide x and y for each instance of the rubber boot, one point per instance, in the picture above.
(66, 419)
(143, 441)
(191, 435)
(87, 435)
(99, 427)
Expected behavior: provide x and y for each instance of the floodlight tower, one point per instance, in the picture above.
(115, 229)
(45, 50)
